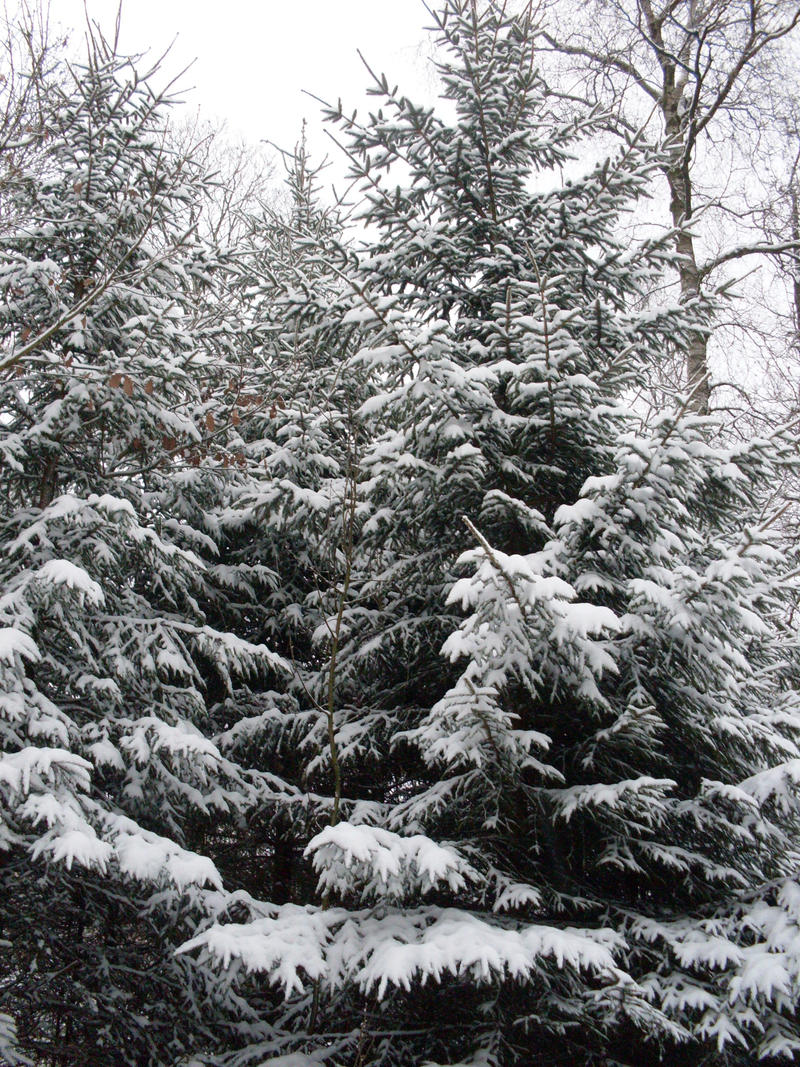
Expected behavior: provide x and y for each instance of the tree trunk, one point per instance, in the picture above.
(680, 205)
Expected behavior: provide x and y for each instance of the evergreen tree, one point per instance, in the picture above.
(114, 441)
(280, 529)
(569, 844)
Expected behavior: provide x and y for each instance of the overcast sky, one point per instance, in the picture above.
(253, 58)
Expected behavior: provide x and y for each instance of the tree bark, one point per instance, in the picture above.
(680, 196)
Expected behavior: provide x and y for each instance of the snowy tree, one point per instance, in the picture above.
(286, 539)
(115, 441)
(584, 793)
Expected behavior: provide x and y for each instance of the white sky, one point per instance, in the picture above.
(254, 58)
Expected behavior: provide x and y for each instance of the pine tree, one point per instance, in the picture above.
(115, 443)
(568, 840)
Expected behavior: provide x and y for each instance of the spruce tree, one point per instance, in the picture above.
(568, 839)
(116, 439)
(280, 531)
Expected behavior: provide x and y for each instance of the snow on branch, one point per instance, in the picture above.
(383, 863)
(394, 948)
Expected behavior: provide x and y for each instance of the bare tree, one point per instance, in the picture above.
(700, 67)
(781, 220)
(242, 175)
(31, 64)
